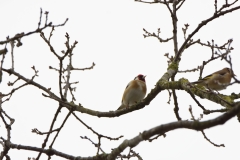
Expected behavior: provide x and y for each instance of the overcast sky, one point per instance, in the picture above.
(110, 34)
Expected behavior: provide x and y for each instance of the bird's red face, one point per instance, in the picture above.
(141, 77)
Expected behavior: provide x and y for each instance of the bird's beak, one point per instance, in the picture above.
(145, 76)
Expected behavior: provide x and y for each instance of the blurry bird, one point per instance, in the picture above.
(218, 80)
(134, 92)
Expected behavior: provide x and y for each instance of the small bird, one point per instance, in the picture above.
(134, 92)
(218, 80)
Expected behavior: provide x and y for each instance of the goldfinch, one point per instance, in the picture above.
(218, 80)
(134, 92)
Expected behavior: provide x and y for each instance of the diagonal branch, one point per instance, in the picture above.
(196, 125)
(193, 125)
(199, 27)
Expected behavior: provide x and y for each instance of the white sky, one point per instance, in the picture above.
(109, 33)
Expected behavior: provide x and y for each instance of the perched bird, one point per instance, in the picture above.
(134, 92)
(218, 80)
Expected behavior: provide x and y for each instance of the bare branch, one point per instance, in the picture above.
(214, 111)
(32, 32)
(180, 5)
(95, 144)
(196, 125)
(216, 145)
(49, 132)
(148, 34)
(99, 135)
(82, 69)
(194, 98)
(176, 108)
(199, 27)
(58, 131)
(40, 18)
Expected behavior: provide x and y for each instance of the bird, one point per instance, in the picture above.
(218, 80)
(134, 92)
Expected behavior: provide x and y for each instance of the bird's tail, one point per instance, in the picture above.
(196, 82)
(121, 107)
